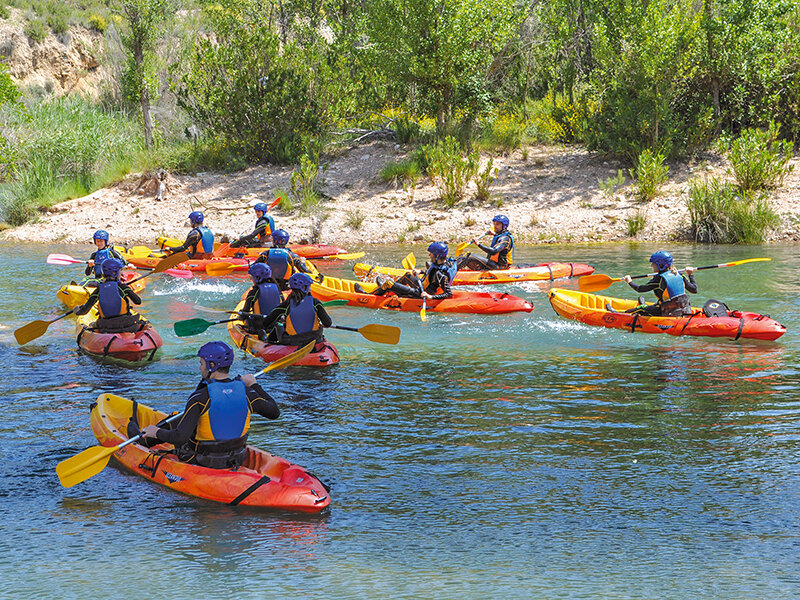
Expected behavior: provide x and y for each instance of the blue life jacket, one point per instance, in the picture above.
(302, 318)
(206, 239)
(269, 296)
(270, 226)
(279, 263)
(99, 257)
(675, 285)
(228, 414)
(110, 300)
(505, 257)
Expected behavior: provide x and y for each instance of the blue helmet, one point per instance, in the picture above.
(438, 249)
(100, 234)
(301, 282)
(196, 217)
(662, 260)
(111, 267)
(501, 219)
(280, 237)
(262, 207)
(260, 272)
(216, 355)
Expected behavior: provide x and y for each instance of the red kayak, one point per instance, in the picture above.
(136, 346)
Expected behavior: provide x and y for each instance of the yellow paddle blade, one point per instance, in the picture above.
(352, 256)
(289, 359)
(84, 465)
(746, 260)
(409, 262)
(170, 261)
(595, 282)
(382, 334)
(461, 247)
(423, 312)
(31, 331)
(220, 268)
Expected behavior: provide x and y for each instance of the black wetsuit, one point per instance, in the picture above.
(193, 246)
(260, 237)
(123, 322)
(436, 282)
(670, 307)
(497, 255)
(255, 323)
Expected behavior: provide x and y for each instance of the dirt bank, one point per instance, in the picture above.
(550, 193)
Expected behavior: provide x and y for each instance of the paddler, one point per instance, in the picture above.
(282, 261)
(300, 318)
(103, 252)
(213, 429)
(199, 242)
(434, 284)
(499, 254)
(261, 299)
(668, 285)
(262, 234)
(114, 299)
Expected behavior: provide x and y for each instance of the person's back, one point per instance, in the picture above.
(303, 315)
(199, 243)
(261, 299)
(113, 299)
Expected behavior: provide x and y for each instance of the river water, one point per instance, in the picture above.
(483, 457)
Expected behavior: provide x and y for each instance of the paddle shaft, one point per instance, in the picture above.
(164, 264)
(719, 266)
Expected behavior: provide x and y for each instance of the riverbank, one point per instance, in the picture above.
(552, 194)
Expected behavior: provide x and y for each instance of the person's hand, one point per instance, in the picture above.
(627, 279)
(91, 262)
(150, 431)
(690, 270)
(426, 295)
(248, 379)
(474, 241)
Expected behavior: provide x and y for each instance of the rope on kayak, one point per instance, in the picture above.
(264, 479)
(156, 463)
(634, 322)
(571, 269)
(549, 268)
(155, 346)
(685, 325)
(108, 345)
(741, 327)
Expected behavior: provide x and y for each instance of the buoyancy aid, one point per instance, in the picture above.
(302, 317)
(227, 416)
(449, 268)
(674, 283)
(674, 300)
(206, 239)
(110, 300)
(279, 263)
(504, 258)
(269, 296)
(99, 257)
(268, 223)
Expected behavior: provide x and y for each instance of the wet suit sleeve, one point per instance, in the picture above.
(272, 318)
(262, 403)
(250, 300)
(90, 302)
(501, 245)
(184, 429)
(322, 314)
(298, 263)
(89, 268)
(443, 282)
(128, 293)
(653, 284)
(189, 245)
(118, 256)
(691, 284)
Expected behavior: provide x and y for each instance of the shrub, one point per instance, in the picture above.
(36, 30)
(405, 129)
(636, 222)
(58, 21)
(484, 180)
(505, 133)
(305, 183)
(450, 170)
(4, 14)
(405, 171)
(97, 22)
(723, 214)
(609, 185)
(354, 219)
(759, 160)
(650, 174)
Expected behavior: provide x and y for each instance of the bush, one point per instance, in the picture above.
(354, 219)
(306, 184)
(4, 14)
(450, 170)
(406, 130)
(97, 22)
(58, 21)
(484, 180)
(759, 160)
(405, 172)
(36, 30)
(505, 133)
(723, 214)
(650, 173)
(636, 222)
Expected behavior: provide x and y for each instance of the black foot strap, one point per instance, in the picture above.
(249, 490)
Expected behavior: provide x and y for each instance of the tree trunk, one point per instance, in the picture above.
(146, 118)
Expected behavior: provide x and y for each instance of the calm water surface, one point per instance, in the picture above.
(482, 457)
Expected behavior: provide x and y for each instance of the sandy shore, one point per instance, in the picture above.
(551, 195)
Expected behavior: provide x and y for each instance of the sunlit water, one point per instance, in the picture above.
(482, 457)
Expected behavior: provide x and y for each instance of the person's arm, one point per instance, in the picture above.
(443, 282)
(191, 242)
(118, 256)
(184, 429)
(272, 318)
(322, 314)
(90, 267)
(250, 299)
(260, 401)
(691, 284)
(651, 285)
(90, 302)
(298, 263)
(501, 245)
(128, 293)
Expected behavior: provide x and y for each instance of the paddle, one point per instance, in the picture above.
(409, 262)
(35, 329)
(165, 264)
(382, 334)
(352, 256)
(337, 302)
(91, 461)
(274, 203)
(463, 245)
(220, 268)
(423, 312)
(65, 259)
(598, 281)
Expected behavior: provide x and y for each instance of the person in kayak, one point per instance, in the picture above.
(261, 299)
(114, 299)
(282, 261)
(213, 429)
(668, 285)
(434, 284)
(103, 252)
(499, 255)
(298, 319)
(199, 241)
(262, 234)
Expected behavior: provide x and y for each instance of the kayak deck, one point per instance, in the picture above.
(540, 272)
(129, 346)
(75, 295)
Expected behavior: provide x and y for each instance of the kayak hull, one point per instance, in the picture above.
(274, 481)
(139, 346)
(195, 265)
(333, 288)
(302, 250)
(324, 353)
(75, 295)
(590, 309)
(541, 272)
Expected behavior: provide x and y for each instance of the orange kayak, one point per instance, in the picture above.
(264, 480)
(324, 353)
(302, 250)
(333, 288)
(541, 272)
(591, 309)
(73, 295)
(129, 346)
(149, 262)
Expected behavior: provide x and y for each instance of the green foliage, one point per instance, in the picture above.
(483, 181)
(504, 133)
(450, 170)
(354, 219)
(36, 30)
(405, 171)
(723, 214)
(58, 18)
(4, 13)
(306, 184)
(636, 222)
(759, 160)
(406, 129)
(97, 22)
(650, 174)
(611, 184)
